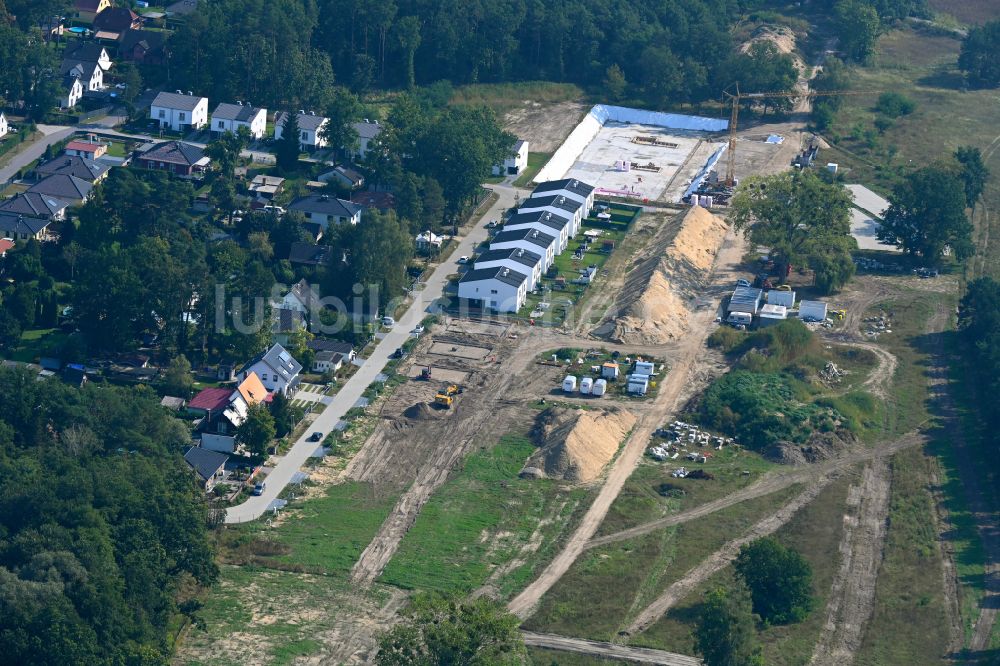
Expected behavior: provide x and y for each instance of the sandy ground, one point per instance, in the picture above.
(608, 650)
(546, 126)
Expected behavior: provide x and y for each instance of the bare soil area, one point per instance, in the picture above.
(544, 126)
(576, 444)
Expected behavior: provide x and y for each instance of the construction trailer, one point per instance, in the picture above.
(638, 384)
(586, 385)
(745, 299)
(609, 370)
(569, 384)
(645, 368)
(771, 314)
(600, 387)
(785, 298)
(812, 310)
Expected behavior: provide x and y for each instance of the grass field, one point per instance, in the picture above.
(815, 531)
(967, 11)
(535, 162)
(607, 586)
(502, 97)
(35, 343)
(485, 520)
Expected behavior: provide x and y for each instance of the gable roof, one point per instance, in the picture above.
(14, 223)
(336, 346)
(303, 291)
(501, 273)
(179, 101)
(377, 200)
(34, 204)
(147, 39)
(520, 255)
(211, 399)
(279, 360)
(367, 130)
(83, 69)
(239, 112)
(307, 121)
(252, 389)
(86, 146)
(205, 463)
(116, 19)
(6, 244)
(543, 217)
(70, 82)
(309, 254)
(63, 186)
(533, 236)
(175, 152)
(84, 51)
(555, 201)
(323, 203)
(569, 184)
(73, 165)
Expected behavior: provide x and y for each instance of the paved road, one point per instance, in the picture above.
(51, 134)
(607, 650)
(425, 302)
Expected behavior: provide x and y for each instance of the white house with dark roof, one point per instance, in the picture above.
(72, 92)
(516, 162)
(368, 131)
(545, 221)
(36, 205)
(278, 371)
(179, 112)
(499, 288)
(4, 127)
(231, 117)
(88, 52)
(531, 240)
(571, 188)
(74, 165)
(559, 205)
(324, 210)
(516, 259)
(18, 227)
(90, 73)
(65, 187)
(310, 129)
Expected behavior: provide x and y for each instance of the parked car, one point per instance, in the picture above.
(388, 322)
(463, 259)
(418, 329)
(258, 489)
(399, 353)
(315, 437)
(742, 283)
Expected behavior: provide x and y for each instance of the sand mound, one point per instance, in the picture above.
(781, 36)
(576, 444)
(653, 304)
(421, 411)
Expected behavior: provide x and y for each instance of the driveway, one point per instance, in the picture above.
(425, 302)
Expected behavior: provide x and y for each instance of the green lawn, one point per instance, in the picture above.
(535, 163)
(482, 519)
(503, 97)
(36, 343)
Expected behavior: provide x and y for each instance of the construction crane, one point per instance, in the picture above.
(737, 97)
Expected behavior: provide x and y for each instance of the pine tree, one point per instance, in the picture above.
(287, 148)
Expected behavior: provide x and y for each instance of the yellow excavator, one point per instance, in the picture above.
(446, 396)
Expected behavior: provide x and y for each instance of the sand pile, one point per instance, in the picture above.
(653, 304)
(576, 444)
(781, 36)
(421, 411)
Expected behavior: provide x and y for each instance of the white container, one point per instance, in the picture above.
(586, 385)
(569, 384)
(812, 310)
(644, 368)
(709, 201)
(600, 387)
(785, 298)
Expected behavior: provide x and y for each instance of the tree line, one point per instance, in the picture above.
(104, 530)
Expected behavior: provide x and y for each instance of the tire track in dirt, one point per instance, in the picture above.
(852, 596)
(608, 650)
(722, 557)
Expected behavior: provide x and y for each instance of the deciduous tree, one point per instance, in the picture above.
(257, 430)
(927, 214)
(725, 633)
(779, 580)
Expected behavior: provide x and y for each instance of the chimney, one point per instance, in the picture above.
(179, 92)
(190, 94)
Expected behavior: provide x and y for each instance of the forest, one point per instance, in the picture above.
(103, 532)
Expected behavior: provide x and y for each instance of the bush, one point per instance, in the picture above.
(894, 105)
(726, 339)
(779, 579)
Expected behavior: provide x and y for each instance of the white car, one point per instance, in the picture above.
(388, 322)
(418, 330)
(463, 259)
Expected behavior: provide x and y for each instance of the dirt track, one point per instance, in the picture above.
(608, 650)
(722, 557)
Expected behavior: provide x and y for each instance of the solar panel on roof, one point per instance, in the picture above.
(285, 356)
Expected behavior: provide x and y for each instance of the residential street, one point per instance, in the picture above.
(424, 303)
(52, 134)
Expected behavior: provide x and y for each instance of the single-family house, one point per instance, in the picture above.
(177, 157)
(301, 298)
(144, 47)
(91, 171)
(310, 129)
(173, 403)
(4, 127)
(531, 240)
(179, 112)
(90, 73)
(543, 220)
(428, 242)
(87, 10)
(383, 202)
(266, 187)
(558, 204)
(343, 176)
(499, 288)
(517, 259)
(368, 132)
(72, 92)
(276, 368)
(309, 254)
(223, 410)
(117, 20)
(285, 322)
(324, 210)
(327, 361)
(571, 188)
(81, 51)
(209, 467)
(336, 346)
(36, 205)
(87, 149)
(231, 117)
(65, 187)
(515, 162)
(209, 401)
(18, 227)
